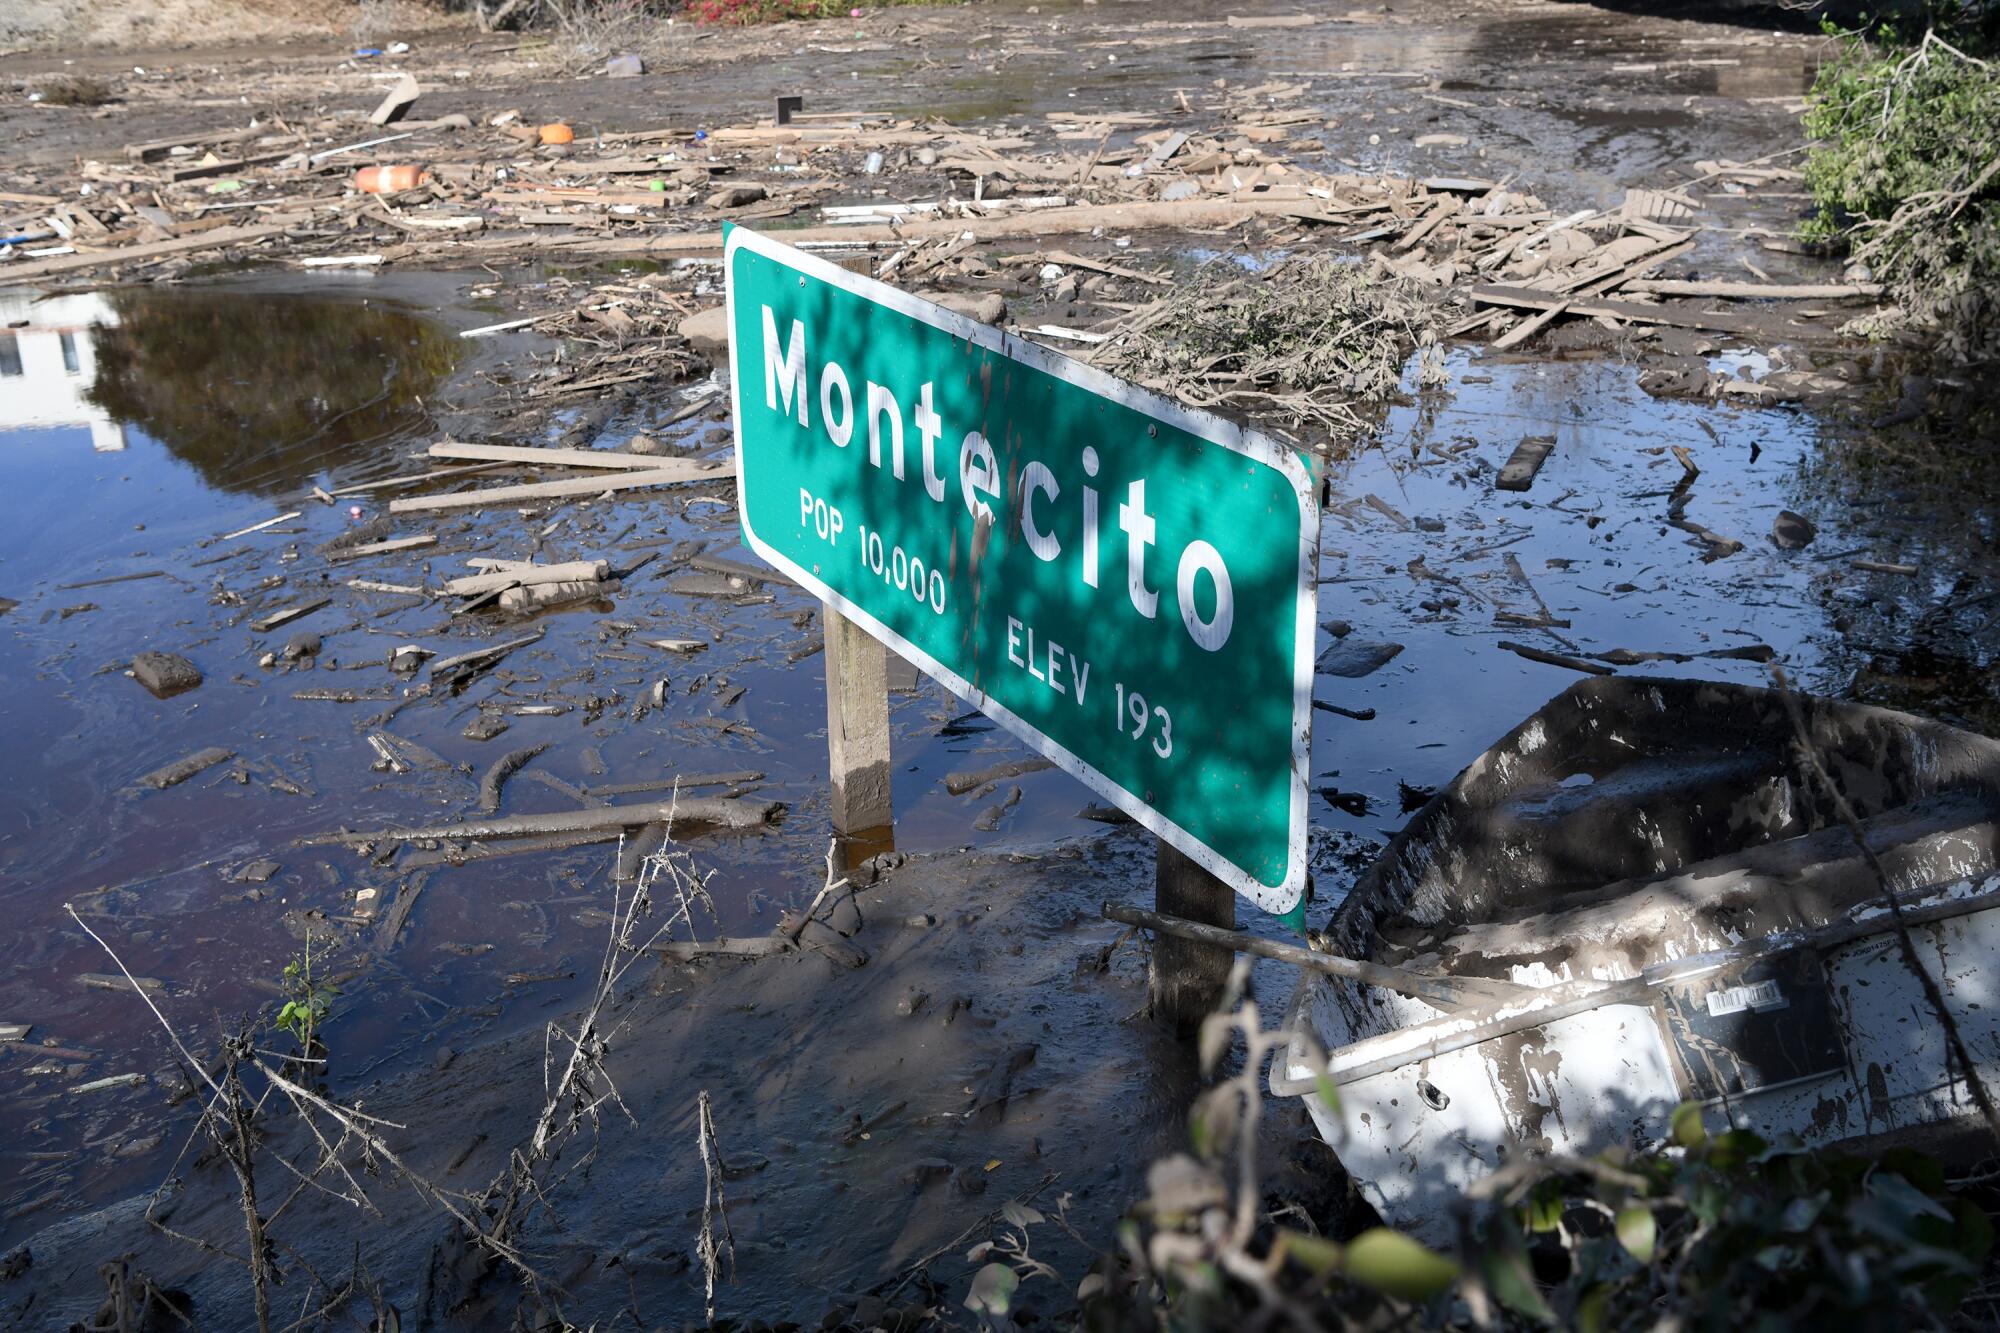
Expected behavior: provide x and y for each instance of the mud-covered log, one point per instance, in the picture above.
(704, 814)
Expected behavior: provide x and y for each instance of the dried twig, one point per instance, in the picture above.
(713, 1206)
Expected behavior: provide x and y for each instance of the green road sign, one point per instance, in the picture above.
(1123, 583)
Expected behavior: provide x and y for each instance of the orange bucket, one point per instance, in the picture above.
(388, 180)
(558, 133)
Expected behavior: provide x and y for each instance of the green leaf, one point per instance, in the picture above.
(992, 1290)
(1975, 1231)
(1393, 1264)
(1688, 1129)
(1329, 1092)
(1315, 1254)
(1507, 1277)
(1543, 1210)
(1637, 1231)
(1592, 1308)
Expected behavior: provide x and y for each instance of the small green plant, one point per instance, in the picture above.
(309, 999)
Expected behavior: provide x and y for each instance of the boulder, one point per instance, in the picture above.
(708, 333)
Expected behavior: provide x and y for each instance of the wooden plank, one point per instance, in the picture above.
(1754, 291)
(555, 490)
(211, 240)
(1518, 473)
(384, 547)
(142, 152)
(1435, 219)
(508, 453)
(1530, 298)
(287, 614)
(202, 170)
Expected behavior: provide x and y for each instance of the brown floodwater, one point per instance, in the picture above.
(161, 441)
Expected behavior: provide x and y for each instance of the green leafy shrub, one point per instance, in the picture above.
(1906, 171)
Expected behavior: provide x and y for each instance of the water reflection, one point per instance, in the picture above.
(257, 390)
(48, 365)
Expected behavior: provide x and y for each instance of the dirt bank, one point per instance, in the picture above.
(70, 27)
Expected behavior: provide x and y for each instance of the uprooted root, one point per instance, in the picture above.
(1305, 342)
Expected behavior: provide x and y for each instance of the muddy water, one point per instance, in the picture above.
(164, 442)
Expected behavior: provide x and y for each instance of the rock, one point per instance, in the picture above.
(485, 727)
(707, 332)
(927, 157)
(912, 1003)
(1339, 629)
(1355, 658)
(1792, 532)
(737, 196)
(926, 1169)
(986, 307)
(1677, 377)
(302, 645)
(624, 67)
(165, 674)
(644, 444)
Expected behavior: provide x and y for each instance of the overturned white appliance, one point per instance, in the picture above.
(1688, 919)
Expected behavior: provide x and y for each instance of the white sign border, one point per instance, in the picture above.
(1254, 445)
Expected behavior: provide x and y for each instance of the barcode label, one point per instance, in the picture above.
(1735, 999)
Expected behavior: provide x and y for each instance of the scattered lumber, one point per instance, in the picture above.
(1756, 291)
(217, 239)
(389, 547)
(1553, 302)
(606, 458)
(669, 473)
(517, 576)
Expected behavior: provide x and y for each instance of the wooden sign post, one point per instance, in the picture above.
(1188, 977)
(857, 725)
